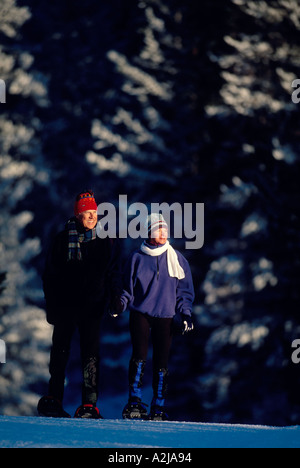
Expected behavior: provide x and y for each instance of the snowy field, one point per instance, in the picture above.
(26, 432)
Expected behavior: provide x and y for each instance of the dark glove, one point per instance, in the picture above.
(187, 324)
(116, 307)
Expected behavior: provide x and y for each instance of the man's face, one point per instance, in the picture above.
(88, 219)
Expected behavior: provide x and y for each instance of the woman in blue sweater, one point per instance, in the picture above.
(157, 285)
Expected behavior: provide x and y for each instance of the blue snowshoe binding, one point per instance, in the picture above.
(135, 409)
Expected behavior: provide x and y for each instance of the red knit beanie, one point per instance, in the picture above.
(85, 201)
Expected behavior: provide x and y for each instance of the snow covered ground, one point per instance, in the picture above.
(23, 432)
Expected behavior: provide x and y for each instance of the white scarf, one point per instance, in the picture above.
(174, 267)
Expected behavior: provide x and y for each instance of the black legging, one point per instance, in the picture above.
(161, 333)
(89, 331)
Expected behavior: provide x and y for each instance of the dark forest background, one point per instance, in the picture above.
(165, 101)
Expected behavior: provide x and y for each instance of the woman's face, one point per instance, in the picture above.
(160, 236)
(88, 219)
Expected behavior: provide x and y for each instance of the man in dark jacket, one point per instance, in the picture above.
(81, 279)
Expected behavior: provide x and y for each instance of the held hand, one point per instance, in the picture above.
(117, 307)
(187, 324)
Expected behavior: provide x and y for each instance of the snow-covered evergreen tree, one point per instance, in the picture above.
(162, 101)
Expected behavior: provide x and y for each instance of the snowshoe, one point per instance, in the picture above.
(135, 409)
(50, 407)
(158, 413)
(87, 412)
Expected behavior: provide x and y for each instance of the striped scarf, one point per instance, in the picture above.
(76, 238)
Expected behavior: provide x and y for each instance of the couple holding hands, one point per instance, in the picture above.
(83, 279)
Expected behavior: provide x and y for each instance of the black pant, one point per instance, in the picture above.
(89, 331)
(161, 333)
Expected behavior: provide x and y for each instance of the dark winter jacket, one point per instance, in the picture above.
(149, 289)
(76, 289)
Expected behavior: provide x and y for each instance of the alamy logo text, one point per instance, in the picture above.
(185, 221)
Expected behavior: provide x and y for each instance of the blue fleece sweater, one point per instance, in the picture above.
(149, 289)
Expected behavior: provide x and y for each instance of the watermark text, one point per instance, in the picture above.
(2, 92)
(296, 93)
(296, 353)
(2, 352)
(185, 221)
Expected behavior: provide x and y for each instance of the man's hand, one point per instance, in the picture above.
(117, 307)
